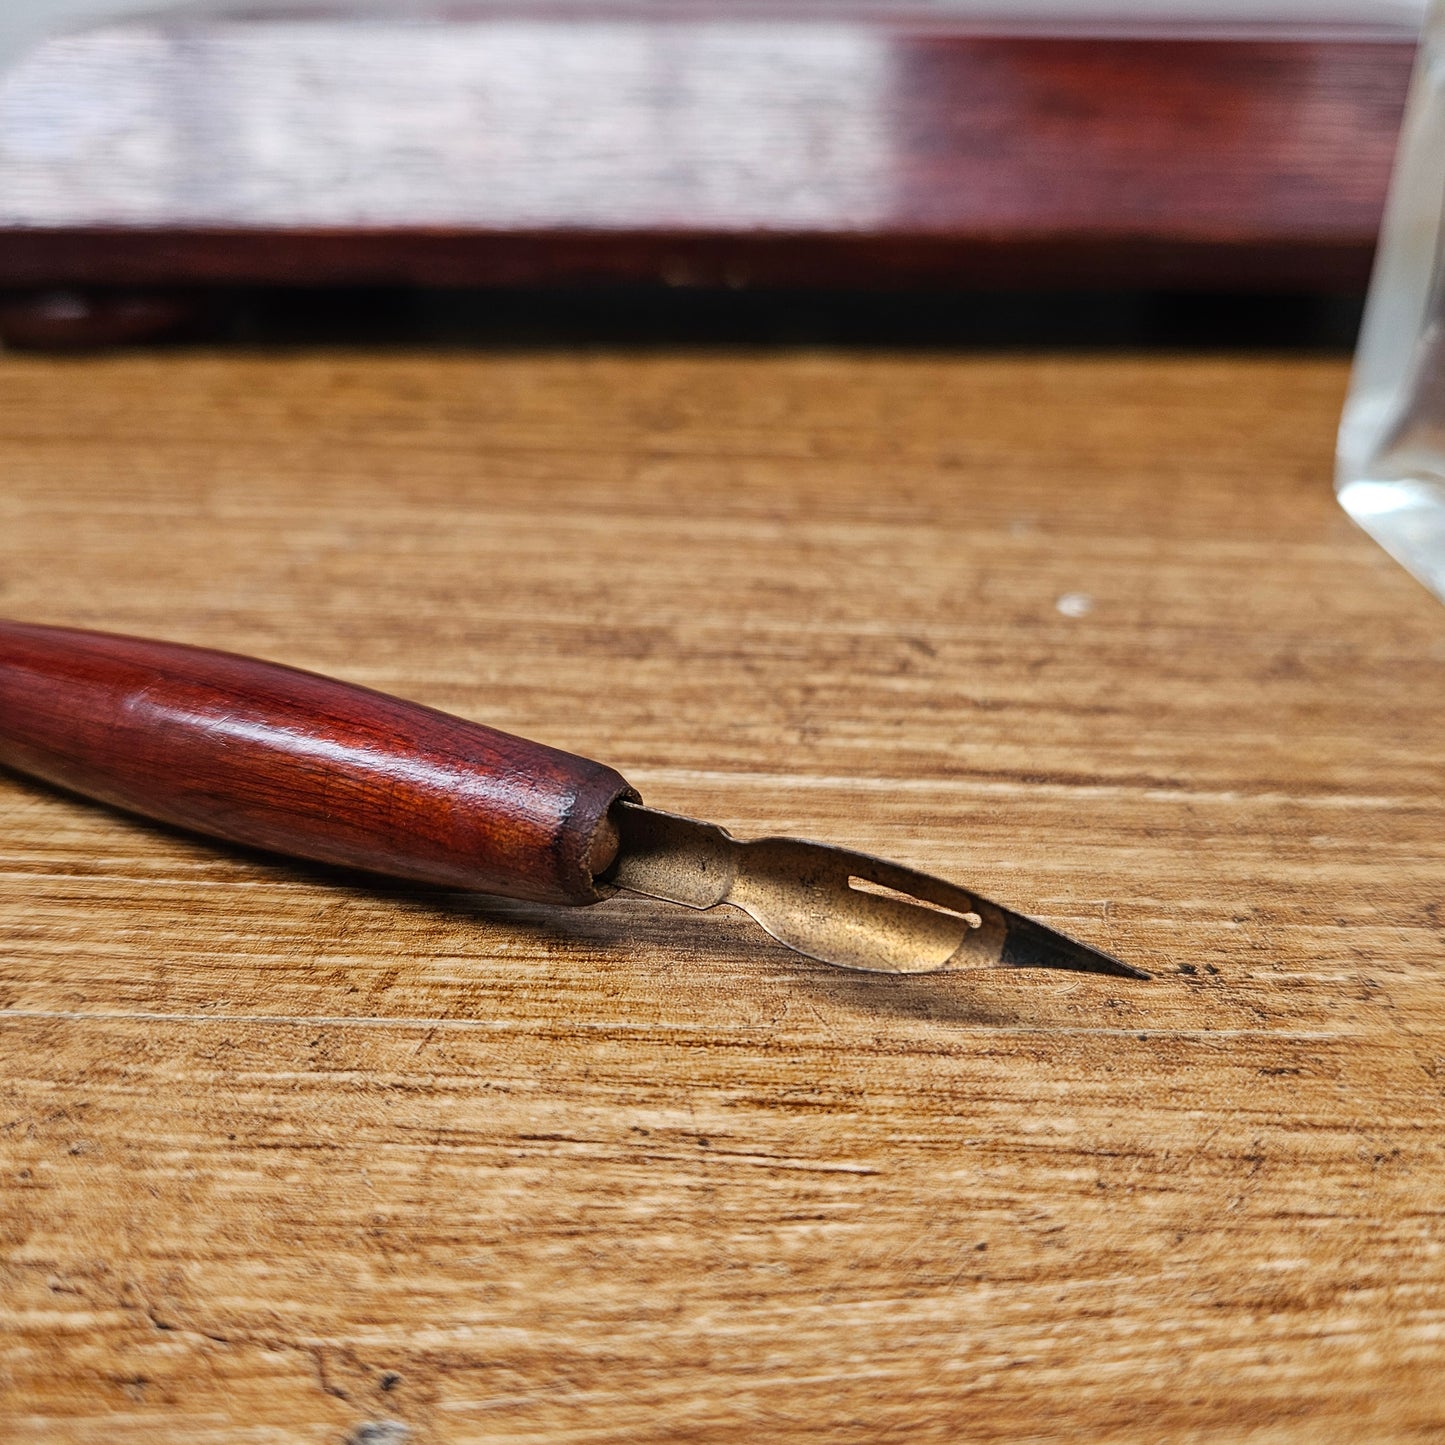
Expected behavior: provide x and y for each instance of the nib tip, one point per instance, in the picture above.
(1034, 945)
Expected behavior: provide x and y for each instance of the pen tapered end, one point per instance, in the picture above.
(842, 908)
(1029, 944)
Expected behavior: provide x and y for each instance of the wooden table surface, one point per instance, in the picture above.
(291, 1155)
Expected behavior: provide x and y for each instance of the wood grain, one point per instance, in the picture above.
(879, 145)
(289, 1156)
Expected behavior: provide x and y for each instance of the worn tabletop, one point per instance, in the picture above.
(288, 1154)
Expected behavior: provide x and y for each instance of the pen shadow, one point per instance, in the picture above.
(725, 939)
(932, 998)
(722, 940)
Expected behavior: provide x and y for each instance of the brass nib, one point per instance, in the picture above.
(843, 908)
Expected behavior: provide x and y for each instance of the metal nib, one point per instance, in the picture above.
(843, 908)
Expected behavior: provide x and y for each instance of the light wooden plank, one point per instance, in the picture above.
(286, 1154)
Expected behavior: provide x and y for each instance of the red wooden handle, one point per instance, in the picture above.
(282, 759)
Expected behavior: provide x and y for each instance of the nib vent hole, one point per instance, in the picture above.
(867, 885)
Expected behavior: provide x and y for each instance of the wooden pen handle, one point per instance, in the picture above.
(286, 760)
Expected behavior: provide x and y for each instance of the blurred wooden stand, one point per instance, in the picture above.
(148, 163)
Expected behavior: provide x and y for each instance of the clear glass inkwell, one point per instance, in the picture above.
(1391, 458)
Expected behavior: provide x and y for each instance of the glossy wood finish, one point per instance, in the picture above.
(299, 1160)
(282, 759)
(881, 147)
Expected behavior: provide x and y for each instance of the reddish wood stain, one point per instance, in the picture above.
(874, 149)
(282, 759)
